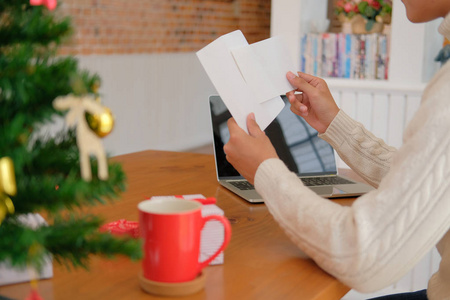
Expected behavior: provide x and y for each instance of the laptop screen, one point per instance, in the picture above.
(296, 143)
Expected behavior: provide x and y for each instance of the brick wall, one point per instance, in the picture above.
(160, 26)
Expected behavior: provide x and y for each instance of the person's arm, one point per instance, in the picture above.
(385, 232)
(348, 137)
(247, 151)
(377, 240)
(370, 157)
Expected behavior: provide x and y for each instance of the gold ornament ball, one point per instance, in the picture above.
(7, 177)
(8, 205)
(102, 124)
(3, 212)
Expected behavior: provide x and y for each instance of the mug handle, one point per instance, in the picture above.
(226, 239)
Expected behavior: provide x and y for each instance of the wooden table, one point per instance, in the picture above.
(260, 261)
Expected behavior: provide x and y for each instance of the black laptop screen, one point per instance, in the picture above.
(296, 143)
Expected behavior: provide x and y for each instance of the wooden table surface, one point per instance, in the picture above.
(260, 261)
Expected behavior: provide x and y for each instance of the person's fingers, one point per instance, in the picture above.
(307, 77)
(233, 127)
(314, 81)
(299, 105)
(299, 83)
(303, 110)
(253, 127)
(232, 124)
(291, 96)
(300, 111)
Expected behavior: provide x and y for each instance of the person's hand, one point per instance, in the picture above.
(247, 151)
(315, 104)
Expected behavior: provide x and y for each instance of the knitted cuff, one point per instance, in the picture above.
(340, 128)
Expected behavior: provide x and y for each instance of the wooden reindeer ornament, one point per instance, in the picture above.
(88, 141)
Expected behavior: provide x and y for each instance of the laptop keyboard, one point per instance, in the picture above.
(310, 181)
(243, 185)
(315, 181)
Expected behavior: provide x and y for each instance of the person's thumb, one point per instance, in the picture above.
(299, 83)
(252, 126)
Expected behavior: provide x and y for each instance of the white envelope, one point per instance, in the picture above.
(249, 78)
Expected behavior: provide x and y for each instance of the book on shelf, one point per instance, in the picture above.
(353, 56)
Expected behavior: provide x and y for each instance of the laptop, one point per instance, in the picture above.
(297, 145)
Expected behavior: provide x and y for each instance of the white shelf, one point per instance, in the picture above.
(412, 47)
(374, 85)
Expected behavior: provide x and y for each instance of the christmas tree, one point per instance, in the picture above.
(40, 173)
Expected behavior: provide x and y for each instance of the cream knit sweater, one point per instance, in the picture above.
(377, 240)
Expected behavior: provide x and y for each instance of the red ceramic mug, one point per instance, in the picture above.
(171, 230)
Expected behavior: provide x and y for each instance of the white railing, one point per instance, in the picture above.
(384, 108)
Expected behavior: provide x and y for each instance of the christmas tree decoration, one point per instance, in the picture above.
(7, 187)
(6, 207)
(46, 173)
(102, 124)
(34, 293)
(87, 141)
(51, 4)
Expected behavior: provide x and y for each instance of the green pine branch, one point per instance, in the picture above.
(47, 169)
(57, 192)
(70, 241)
(22, 23)
(73, 240)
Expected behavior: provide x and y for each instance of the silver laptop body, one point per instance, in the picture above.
(297, 145)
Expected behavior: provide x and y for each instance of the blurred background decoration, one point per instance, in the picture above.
(363, 16)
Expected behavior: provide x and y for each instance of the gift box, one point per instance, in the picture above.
(122, 227)
(10, 275)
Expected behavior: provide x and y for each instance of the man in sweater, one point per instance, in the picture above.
(377, 240)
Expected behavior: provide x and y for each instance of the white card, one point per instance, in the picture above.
(254, 74)
(264, 66)
(249, 78)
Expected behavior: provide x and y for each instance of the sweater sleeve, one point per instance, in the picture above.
(387, 231)
(366, 154)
